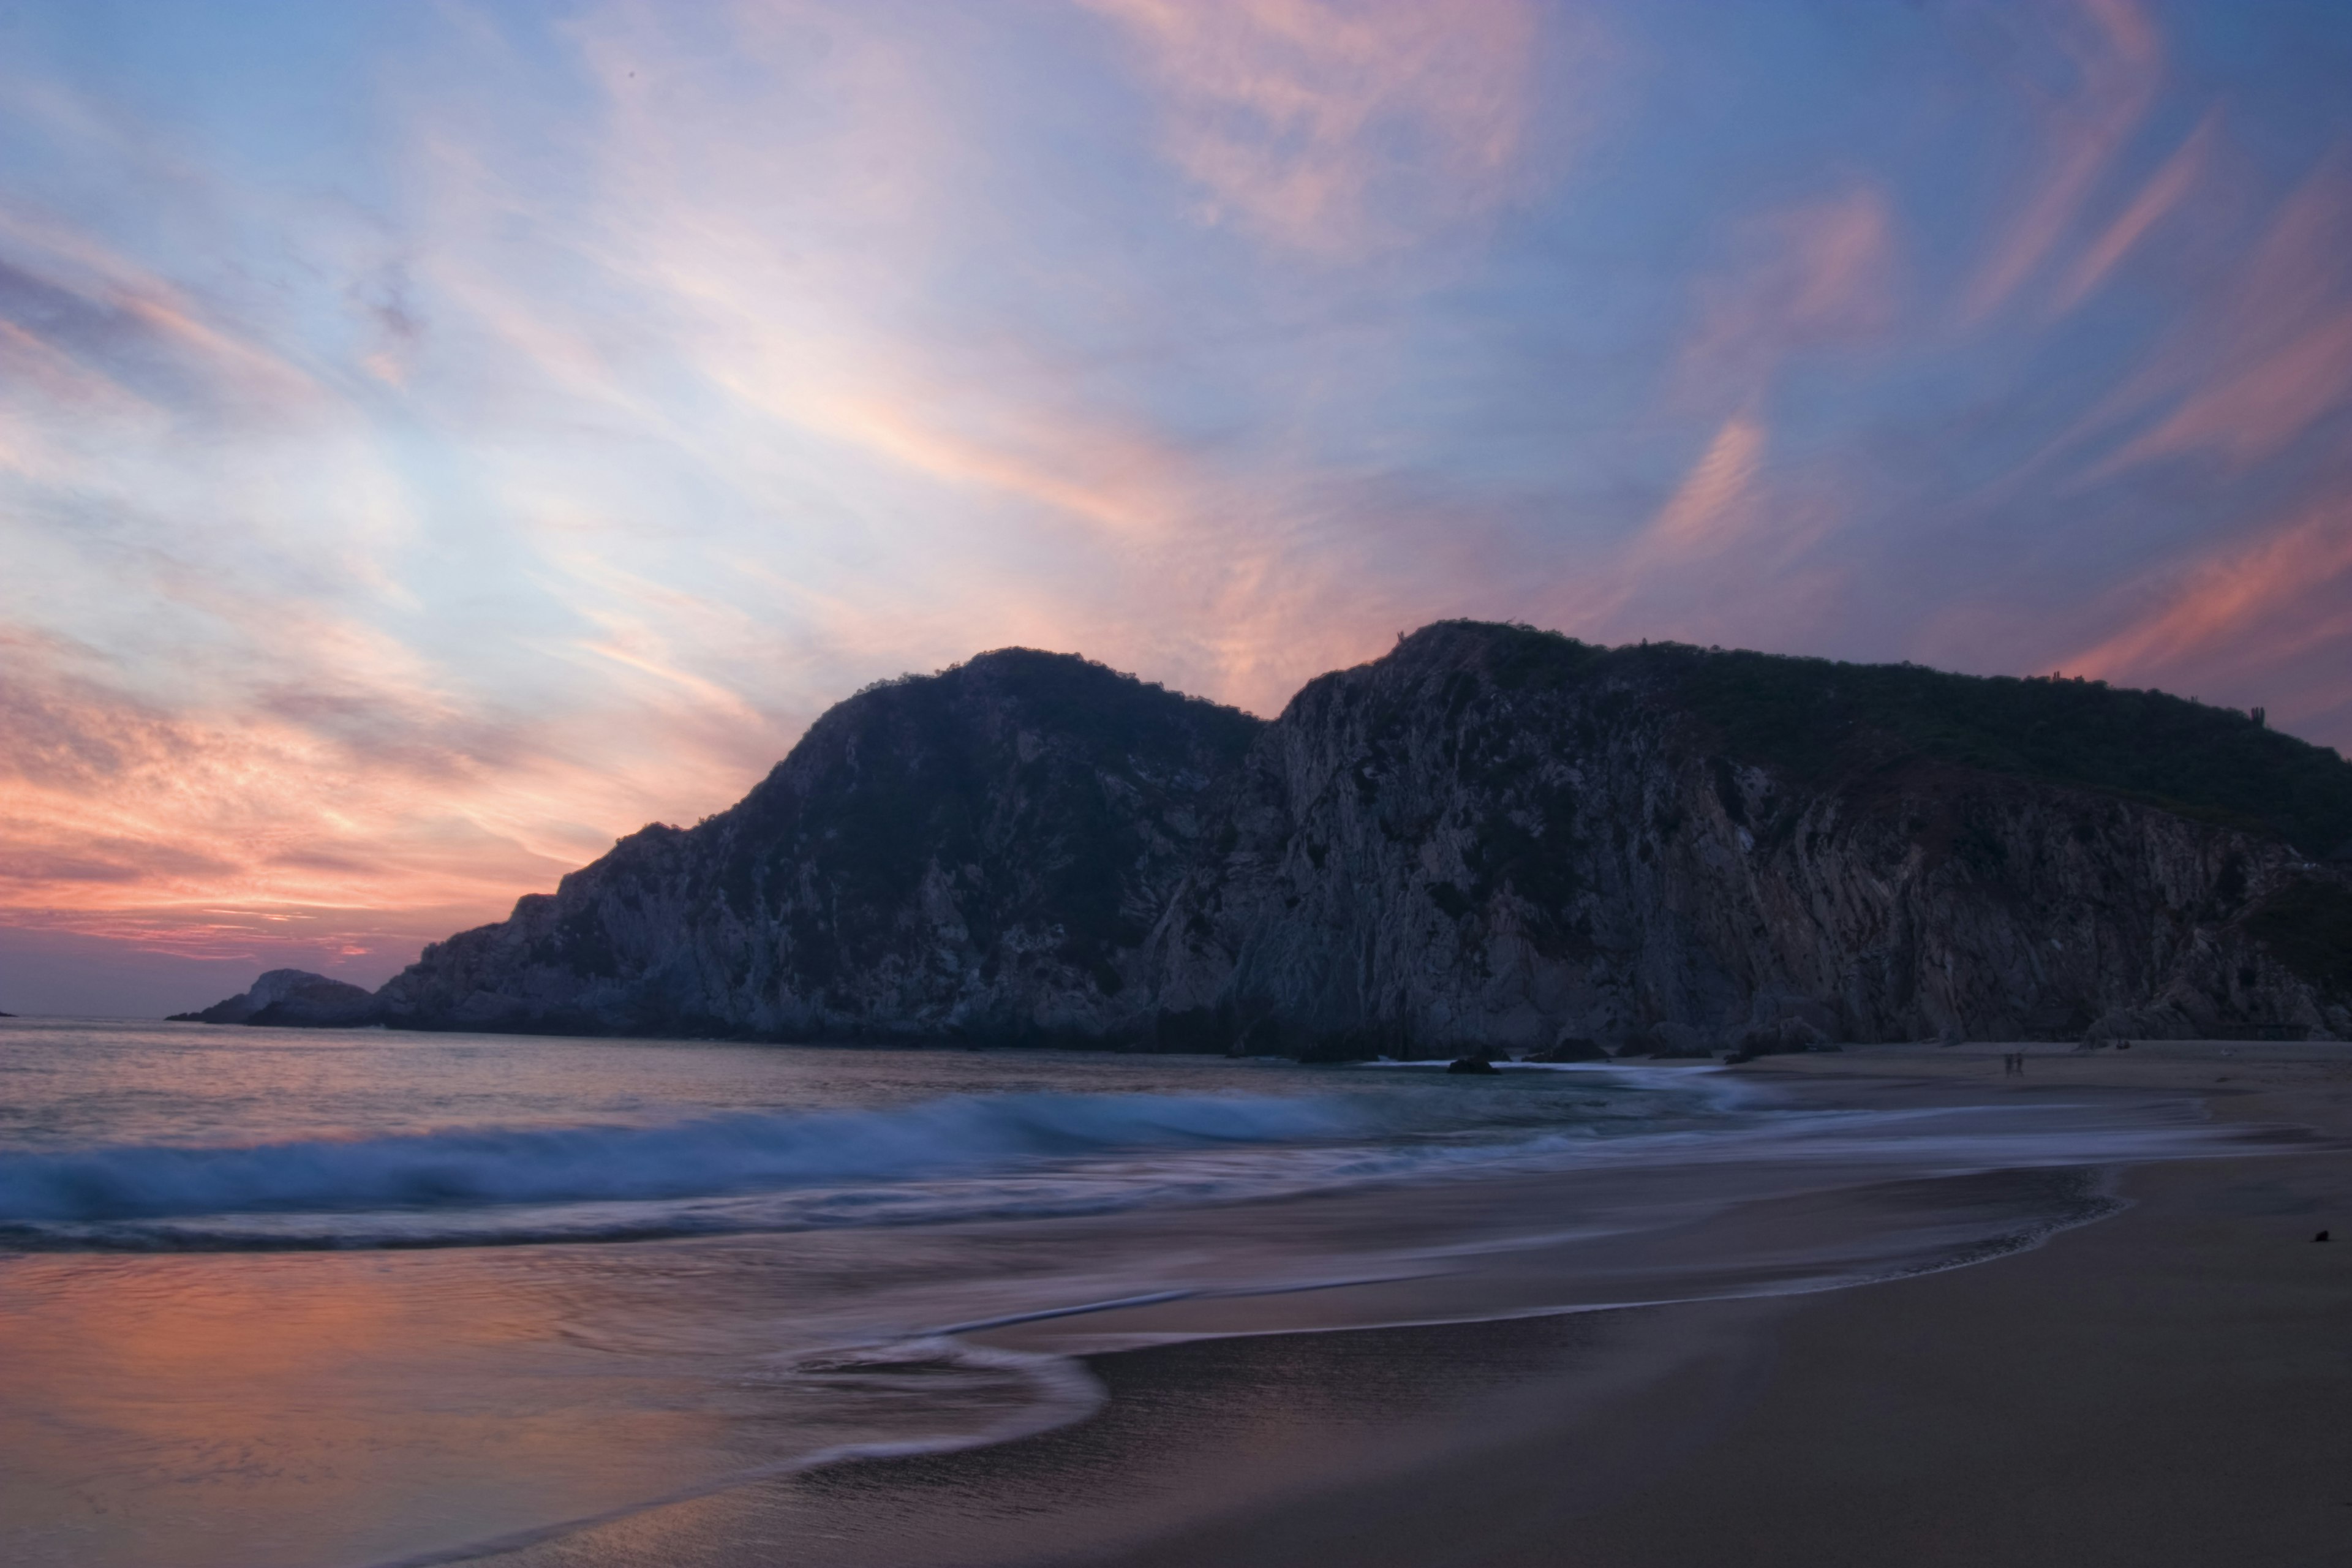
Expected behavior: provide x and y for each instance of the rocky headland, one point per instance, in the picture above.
(295, 998)
(1492, 839)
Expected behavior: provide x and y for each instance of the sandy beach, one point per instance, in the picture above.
(2168, 1385)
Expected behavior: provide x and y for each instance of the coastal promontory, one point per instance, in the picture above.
(1492, 838)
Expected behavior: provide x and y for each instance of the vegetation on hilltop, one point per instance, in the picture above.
(917, 774)
(1819, 719)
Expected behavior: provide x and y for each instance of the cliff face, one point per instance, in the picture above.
(980, 852)
(1492, 836)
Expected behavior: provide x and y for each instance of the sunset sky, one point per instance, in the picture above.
(438, 437)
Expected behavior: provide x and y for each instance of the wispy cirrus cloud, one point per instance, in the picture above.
(2108, 60)
(2246, 616)
(1717, 500)
(2270, 356)
(1814, 273)
(2164, 192)
(1333, 128)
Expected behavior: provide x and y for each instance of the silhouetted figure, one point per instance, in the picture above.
(2321, 1237)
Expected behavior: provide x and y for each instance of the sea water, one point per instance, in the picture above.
(279, 1298)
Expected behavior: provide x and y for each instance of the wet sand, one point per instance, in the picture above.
(2172, 1385)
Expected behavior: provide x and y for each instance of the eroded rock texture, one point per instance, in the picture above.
(981, 852)
(1493, 838)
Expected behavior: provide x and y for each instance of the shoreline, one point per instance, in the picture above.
(2162, 1386)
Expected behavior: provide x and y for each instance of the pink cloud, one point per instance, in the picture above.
(2258, 606)
(2249, 375)
(1814, 272)
(1715, 502)
(1337, 129)
(2165, 190)
(316, 803)
(2116, 63)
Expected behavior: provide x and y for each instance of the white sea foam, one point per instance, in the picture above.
(708, 1156)
(954, 1156)
(951, 1158)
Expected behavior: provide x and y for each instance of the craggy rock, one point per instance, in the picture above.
(1492, 839)
(981, 853)
(295, 998)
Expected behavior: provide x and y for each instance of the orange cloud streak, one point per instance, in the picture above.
(350, 819)
(1715, 501)
(2260, 603)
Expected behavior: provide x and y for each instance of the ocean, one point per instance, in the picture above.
(284, 1297)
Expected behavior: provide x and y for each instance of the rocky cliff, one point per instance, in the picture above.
(983, 852)
(1493, 837)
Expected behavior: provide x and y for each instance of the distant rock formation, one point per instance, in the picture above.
(1491, 839)
(295, 998)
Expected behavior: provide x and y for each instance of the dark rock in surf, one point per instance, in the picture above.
(1470, 1065)
(1574, 1048)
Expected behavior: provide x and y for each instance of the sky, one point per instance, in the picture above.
(438, 437)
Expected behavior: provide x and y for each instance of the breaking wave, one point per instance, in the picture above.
(709, 1157)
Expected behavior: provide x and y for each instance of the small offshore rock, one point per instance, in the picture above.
(293, 998)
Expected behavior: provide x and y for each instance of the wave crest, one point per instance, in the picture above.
(707, 1157)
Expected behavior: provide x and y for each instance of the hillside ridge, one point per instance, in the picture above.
(1490, 838)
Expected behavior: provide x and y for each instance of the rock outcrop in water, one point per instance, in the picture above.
(295, 998)
(1491, 838)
